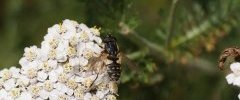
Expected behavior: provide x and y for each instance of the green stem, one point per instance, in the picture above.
(171, 22)
(162, 54)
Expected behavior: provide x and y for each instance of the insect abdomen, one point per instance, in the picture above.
(114, 71)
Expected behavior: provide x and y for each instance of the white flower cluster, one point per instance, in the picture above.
(234, 77)
(62, 69)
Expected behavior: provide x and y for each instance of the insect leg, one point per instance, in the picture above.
(94, 80)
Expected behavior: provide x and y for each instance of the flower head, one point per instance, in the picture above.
(61, 69)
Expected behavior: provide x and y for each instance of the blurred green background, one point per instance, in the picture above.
(172, 45)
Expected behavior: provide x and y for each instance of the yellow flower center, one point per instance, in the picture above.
(67, 68)
(6, 75)
(46, 67)
(71, 52)
(48, 85)
(88, 82)
(95, 30)
(73, 41)
(31, 73)
(78, 93)
(62, 97)
(62, 77)
(111, 97)
(84, 36)
(52, 54)
(54, 43)
(72, 84)
(30, 54)
(35, 89)
(15, 92)
(87, 53)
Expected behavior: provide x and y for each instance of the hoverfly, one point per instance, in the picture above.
(110, 60)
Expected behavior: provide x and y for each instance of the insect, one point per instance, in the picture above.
(111, 48)
(108, 60)
(97, 64)
(229, 52)
(111, 60)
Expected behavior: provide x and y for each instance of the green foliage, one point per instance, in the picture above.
(172, 46)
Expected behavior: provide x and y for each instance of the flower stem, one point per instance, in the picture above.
(171, 22)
